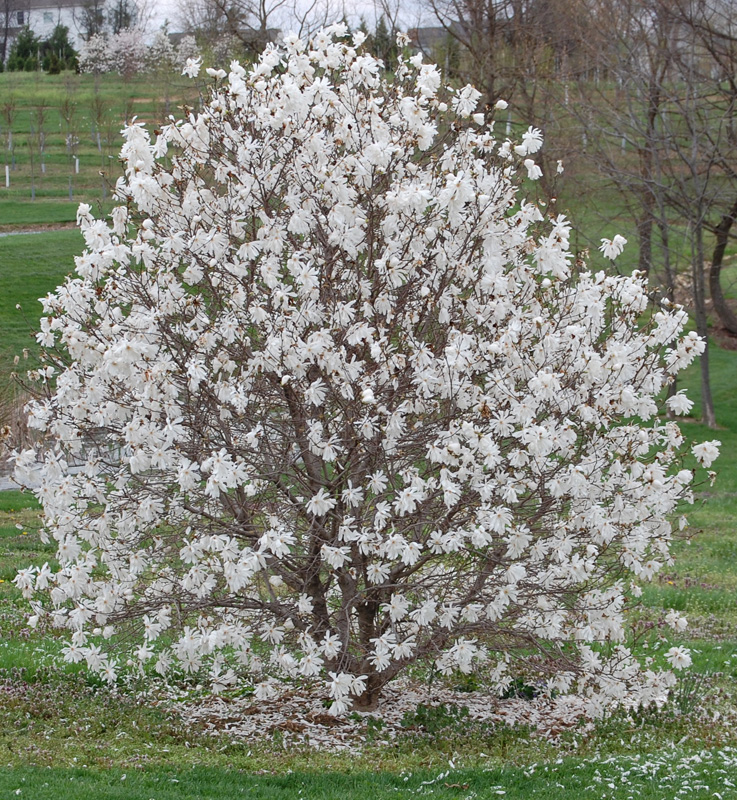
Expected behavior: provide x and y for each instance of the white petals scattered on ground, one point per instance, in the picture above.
(674, 773)
(303, 719)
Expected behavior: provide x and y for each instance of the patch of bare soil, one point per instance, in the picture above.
(37, 227)
(725, 339)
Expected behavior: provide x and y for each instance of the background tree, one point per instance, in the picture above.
(59, 47)
(90, 18)
(25, 51)
(98, 17)
(96, 55)
(509, 44)
(711, 74)
(187, 48)
(128, 51)
(519, 51)
(253, 23)
(384, 43)
(8, 21)
(631, 44)
(660, 128)
(162, 60)
(121, 14)
(250, 22)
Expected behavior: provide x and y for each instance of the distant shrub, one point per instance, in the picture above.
(57, 52)
(161, 55)
(127, 53)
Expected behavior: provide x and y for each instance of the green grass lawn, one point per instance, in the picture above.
(31, 265)
(670, 774)
(42, 213)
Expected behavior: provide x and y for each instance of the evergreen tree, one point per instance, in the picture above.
(384, 45)
(51, 64)
(59, 47)
(25, 47)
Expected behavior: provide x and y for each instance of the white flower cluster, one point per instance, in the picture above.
(124, 52)
(611, 248)
(127, 53)
(342, 402)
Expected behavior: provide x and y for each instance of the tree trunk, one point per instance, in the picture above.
(670, 278)
(369, 700)
(721, 307)
(645, 237)
(6, 31)
(699, 293)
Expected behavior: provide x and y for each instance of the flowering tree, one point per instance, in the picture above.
(344, 402)
(124, 52)
(186, 49)
(128, 51)
(161, 54)
(224, 48)
(95, 55)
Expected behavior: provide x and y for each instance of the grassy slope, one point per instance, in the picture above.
(14, 214)
(98, 105)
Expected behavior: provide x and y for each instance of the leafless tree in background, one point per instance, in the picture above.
(660, 127)
(253, 22)
(525, 52)
(102, 16)
(9, 20)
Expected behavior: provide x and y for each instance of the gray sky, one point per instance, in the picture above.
(167, 10)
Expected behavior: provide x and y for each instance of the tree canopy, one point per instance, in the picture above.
(343, 401)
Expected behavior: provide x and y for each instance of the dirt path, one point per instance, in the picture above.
(40, 227)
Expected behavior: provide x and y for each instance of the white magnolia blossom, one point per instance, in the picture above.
(706, 452)
(533, 170)
(611, 248)
(679, 403)
(676, 621)
(341, 395)
(679, 657)
(532, 141)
